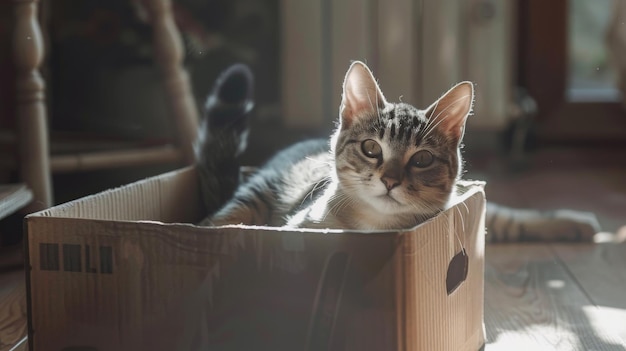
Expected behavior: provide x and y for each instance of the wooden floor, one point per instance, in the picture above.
(12, 310)
(537, 297)
(555, 297)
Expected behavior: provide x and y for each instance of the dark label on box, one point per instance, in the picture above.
(76, 258)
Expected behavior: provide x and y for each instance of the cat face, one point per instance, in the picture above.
(395, 158)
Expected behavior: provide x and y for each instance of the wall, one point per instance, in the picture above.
(417, 50)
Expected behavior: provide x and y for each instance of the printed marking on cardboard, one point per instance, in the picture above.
(76, 258)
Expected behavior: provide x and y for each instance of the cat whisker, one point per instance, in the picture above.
(339, 202)
(320, 163)
(345, 203)
(461, 218)
(316, 185)
(421, 207)
(466, 208)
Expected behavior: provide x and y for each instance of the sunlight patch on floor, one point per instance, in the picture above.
(606, 322)
(546, 337)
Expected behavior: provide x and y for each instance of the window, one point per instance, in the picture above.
(563, 63)
(590, 75)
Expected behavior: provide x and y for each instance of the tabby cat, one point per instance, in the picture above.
(386, 166)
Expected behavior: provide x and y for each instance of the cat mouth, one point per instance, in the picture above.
(389, 199)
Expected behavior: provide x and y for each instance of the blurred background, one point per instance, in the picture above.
(549, 127)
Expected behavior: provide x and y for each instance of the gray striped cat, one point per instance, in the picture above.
(386, 166)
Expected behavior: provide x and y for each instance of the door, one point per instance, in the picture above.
(564, 65)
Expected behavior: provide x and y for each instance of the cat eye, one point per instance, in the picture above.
(422, 159)
(371, 148)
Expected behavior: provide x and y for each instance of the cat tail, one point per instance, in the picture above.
(505, 224)
(223, 135)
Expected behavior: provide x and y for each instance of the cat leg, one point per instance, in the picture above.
(223, 135)
(505, 224)
(248, 211)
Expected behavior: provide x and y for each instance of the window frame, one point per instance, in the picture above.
(543, 71)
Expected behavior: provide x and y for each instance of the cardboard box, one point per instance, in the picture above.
(123, 270)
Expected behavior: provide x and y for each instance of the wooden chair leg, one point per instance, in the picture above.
(34, 159)
(169, 56)
(34, 154)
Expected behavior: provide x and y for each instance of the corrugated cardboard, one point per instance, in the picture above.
(121, 270)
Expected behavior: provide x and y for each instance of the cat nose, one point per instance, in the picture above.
(390, 182)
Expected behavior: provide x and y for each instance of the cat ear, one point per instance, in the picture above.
(361, 95)
(450, 111)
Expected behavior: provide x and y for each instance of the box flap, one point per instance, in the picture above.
(170, 197)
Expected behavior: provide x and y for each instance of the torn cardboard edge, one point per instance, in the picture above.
(119, 204)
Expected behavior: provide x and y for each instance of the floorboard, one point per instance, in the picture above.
(13, 309)
(537, 297)
(532, 302)
(601, 271)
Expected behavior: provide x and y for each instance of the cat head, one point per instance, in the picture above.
(395, 158)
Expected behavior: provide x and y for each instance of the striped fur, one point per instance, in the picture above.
(387, 166)
(334, 184)
(506, 224)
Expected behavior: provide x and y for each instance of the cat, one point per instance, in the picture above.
(387, 166)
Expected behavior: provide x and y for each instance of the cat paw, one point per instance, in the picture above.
(576, 225)
(512, 225)
(561, 225)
